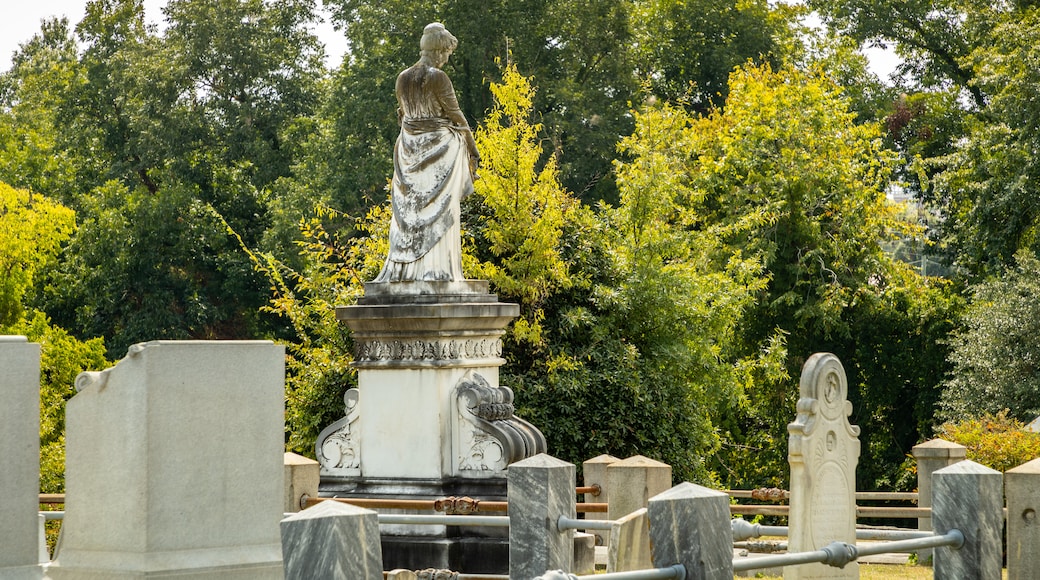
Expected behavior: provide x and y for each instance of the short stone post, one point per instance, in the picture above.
(633, 481)
(1022, 488)
(931, 456)
(689, 525)
(332, 540)
(302, 476)
(969, 497)
(594, 472)
(541, 489)
(20, 450)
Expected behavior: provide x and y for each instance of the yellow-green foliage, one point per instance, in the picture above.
(527, 205)
(997, 441)
(32, 229)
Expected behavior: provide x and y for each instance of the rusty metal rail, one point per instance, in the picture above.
(450, 505)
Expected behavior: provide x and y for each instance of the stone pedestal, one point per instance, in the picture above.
(823, 450)
(174, 465)
(20, 450)
(428, 419)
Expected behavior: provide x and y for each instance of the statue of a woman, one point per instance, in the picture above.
(434, 160)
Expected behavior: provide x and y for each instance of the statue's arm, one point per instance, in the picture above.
(449, 103)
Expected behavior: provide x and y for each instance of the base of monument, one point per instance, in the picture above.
(467, 549)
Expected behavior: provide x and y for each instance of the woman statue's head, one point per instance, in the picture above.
(436, 42)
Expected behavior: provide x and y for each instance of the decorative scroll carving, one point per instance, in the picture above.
(433, 574)
(455, 506)
(373, 350)
(490, 435)
(338, 447)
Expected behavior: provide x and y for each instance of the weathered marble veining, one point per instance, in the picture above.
(541, 489)
(689, 525)
(969, 497)
(332, 541)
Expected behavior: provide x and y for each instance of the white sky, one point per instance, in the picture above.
(20, 19)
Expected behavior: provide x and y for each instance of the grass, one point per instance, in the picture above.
(888, 572)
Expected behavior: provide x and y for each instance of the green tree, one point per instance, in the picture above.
(785, 173)
(994, 352)
(32, 229)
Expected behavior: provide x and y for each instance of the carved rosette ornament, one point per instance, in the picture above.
(489, 435)
(823, 451)
(338, 447)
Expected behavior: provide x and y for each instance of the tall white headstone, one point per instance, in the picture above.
(20, 452)
(174, 464)
(823, 450)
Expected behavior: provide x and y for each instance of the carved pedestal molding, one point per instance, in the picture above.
(823, 451)
(427, 355)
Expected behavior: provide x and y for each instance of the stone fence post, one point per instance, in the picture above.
(633, 481)
(594, 472)
(689, 525)
(302, 477)
(1022, 488)
(969, 497)
(20, 450)
(541, 489)
(931, 456)
(332, 540)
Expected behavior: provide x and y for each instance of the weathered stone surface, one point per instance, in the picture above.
(969, 497)
(689, 525)
(301, 481)
(332, 540)
(633, 481)
(823, 450)
(584, 553)
(931, 456)
(1022, 489)
(20, 451)
(629, 545)
(541, 489)
(174, 464)
(594, 472)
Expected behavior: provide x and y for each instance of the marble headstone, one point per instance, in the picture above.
(174, 464)
(331, 541)
(823, 450)
(20, 451)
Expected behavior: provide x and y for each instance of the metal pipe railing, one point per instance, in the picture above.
(676, 572)
(744, 530)
(838, 554)
(564, 523)
(438, 504)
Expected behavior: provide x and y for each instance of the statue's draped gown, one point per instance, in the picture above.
(431, 176)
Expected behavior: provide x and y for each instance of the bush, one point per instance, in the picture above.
(997, 441)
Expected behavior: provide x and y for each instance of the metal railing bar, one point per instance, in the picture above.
(565, 523)
(676, 572)
(838, 554)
